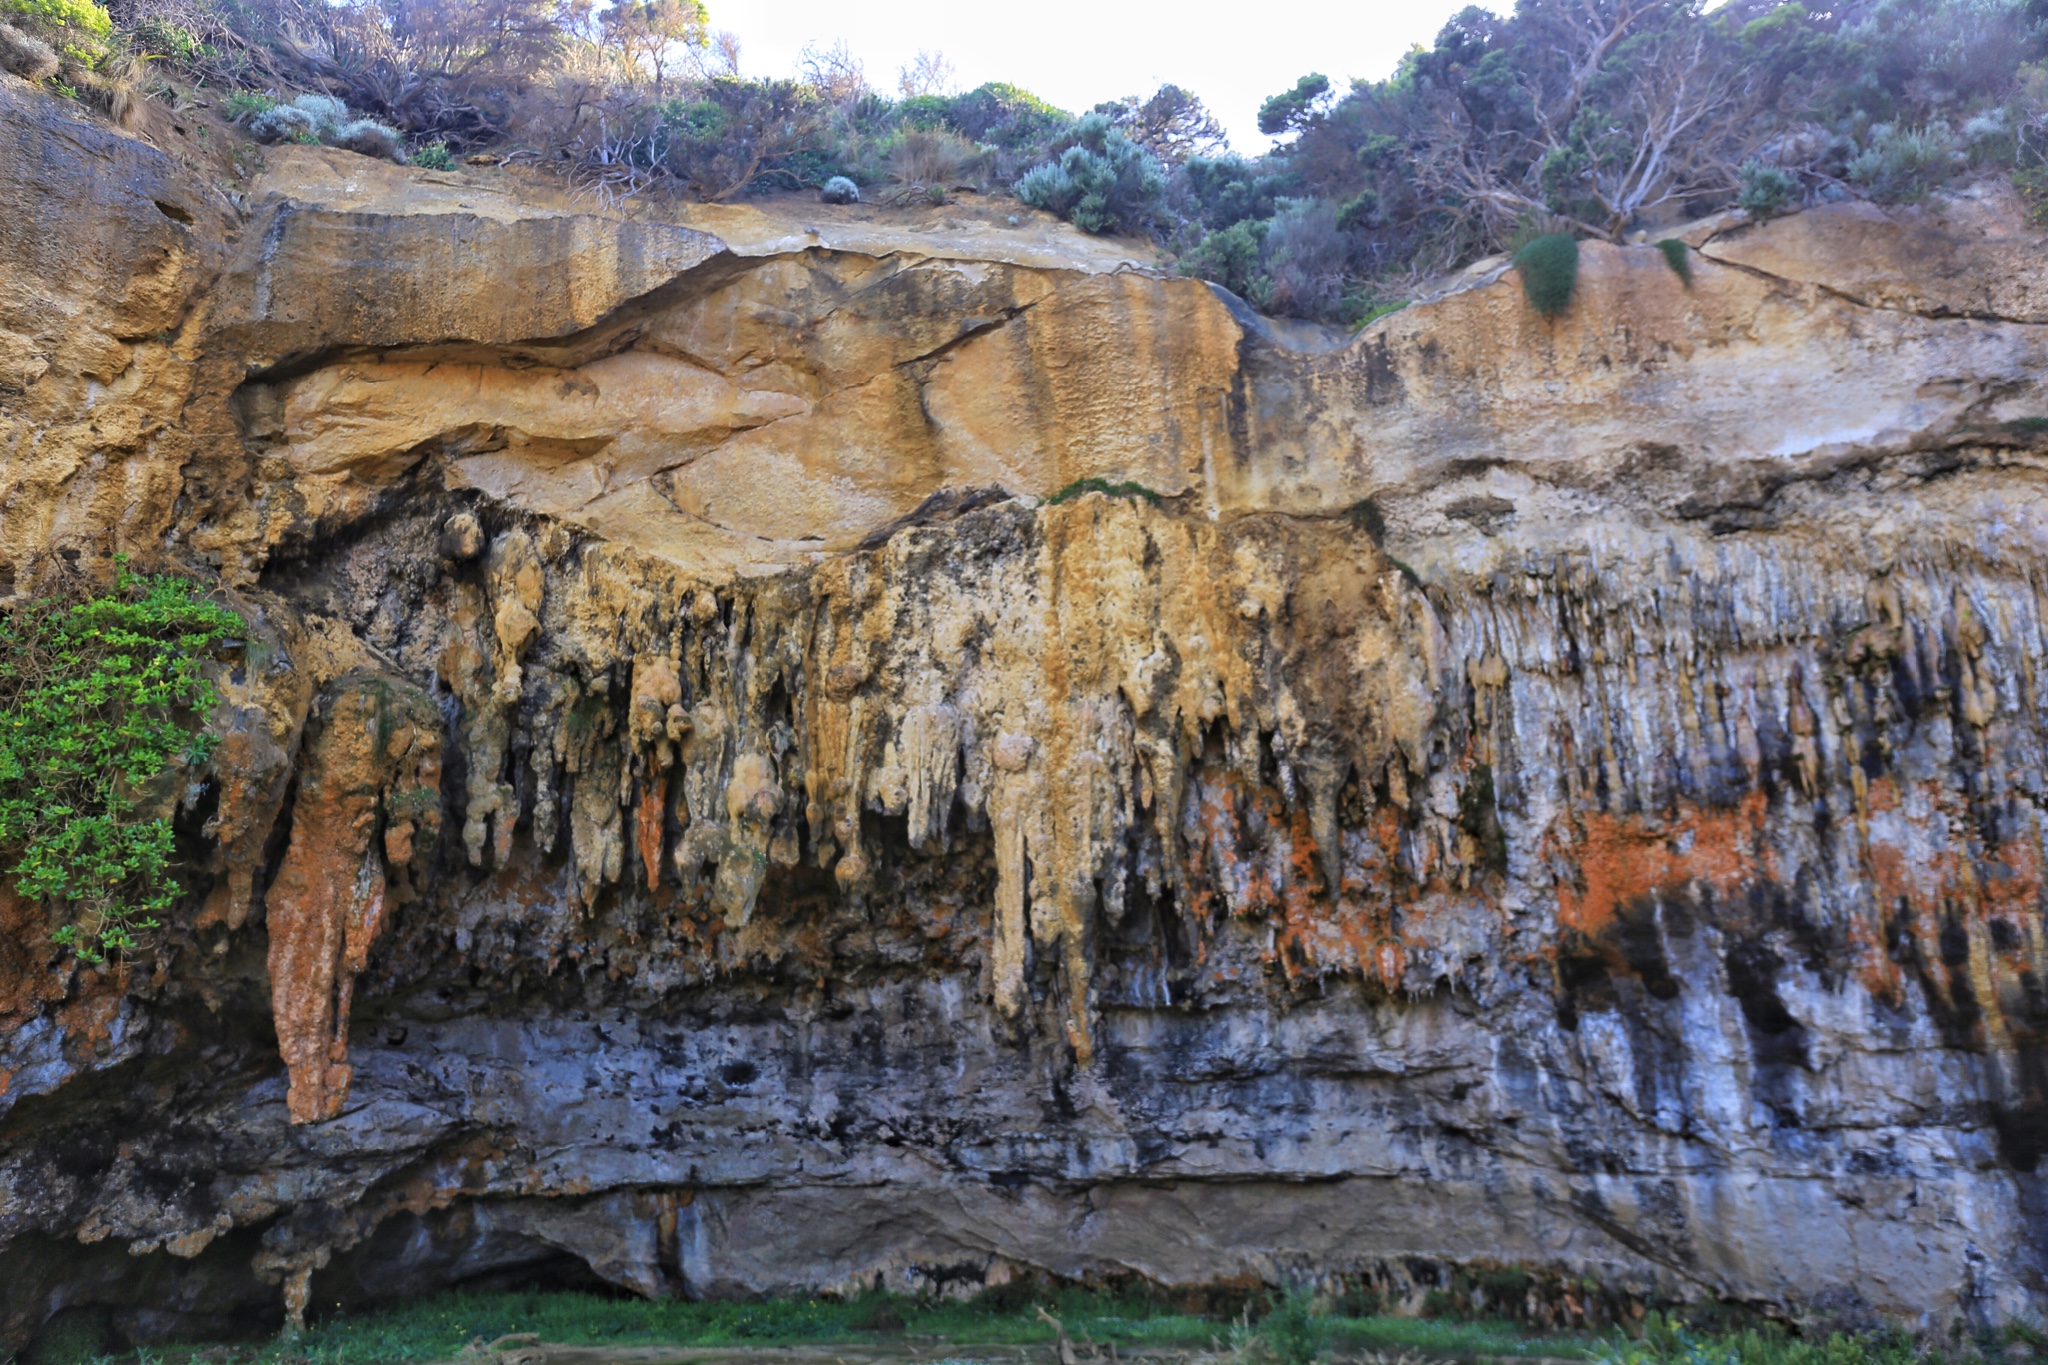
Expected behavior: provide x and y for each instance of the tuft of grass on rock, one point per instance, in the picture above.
(1106, 488)
(1549, 267)
(1678, 256)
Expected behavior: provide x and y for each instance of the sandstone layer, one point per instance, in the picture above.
(694, 811)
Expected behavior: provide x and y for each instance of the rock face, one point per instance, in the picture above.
(693, 810)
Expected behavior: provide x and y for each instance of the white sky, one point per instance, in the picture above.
(1077, 52)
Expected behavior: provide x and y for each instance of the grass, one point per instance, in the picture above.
(1455, 1337)
(1664, 1340)
(1678, 256)
(439, 1328)
(1290, 1331)
(1549, 267)
(1375, 311)
(1104, 487)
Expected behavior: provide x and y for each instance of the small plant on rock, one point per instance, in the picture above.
(309, 118)
(435, 156)
(1126, 489)
(1765, 190)
(101, 693)
(1549, 267)
(314, 119)
(1678, 256)
(1900, 164)
(244, 105)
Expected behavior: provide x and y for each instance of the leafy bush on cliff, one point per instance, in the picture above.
(324, 119)
(1764, 190)
(721, 143)
(1126, 489)
(1006, 116)
(1235, 259)
(1101, 182)
(101, 693)
(1900, 164)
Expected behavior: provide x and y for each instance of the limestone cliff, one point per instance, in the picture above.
(692, 809)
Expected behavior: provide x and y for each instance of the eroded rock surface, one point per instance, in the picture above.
(690, 808)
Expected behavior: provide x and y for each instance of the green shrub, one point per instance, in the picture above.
(2032, 184)
(80, 29)
(1549, 266)
(1295, 1330)
(171, 41)
(1678, 256)
(245, 105)
(100, 694)
(1900, 165)
(1306, 256)
(435, 156)
(1007, 116)
(1232, 258)
(1104, 182)
(1219, 191)
(1370, 310)
(1104, 487)
(926, 111)
(1665, 1341)
(740, 132)
(1764, 189)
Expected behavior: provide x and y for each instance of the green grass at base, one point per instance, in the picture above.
(1456, 1337)
(438, 1328)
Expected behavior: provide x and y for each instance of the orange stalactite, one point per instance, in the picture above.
(648, 822)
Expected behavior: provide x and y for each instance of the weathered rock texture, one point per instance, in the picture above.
(1565, 795)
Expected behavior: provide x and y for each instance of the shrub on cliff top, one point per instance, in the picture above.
(1549, 267)
(100, 694)
(1102, 182)
(322, 118)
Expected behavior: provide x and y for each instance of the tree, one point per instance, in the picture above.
(738, 130)
(654, 36)
(1294, 111)
(834, 72)
(464, 37)
(1173, 124)
(928, 73)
